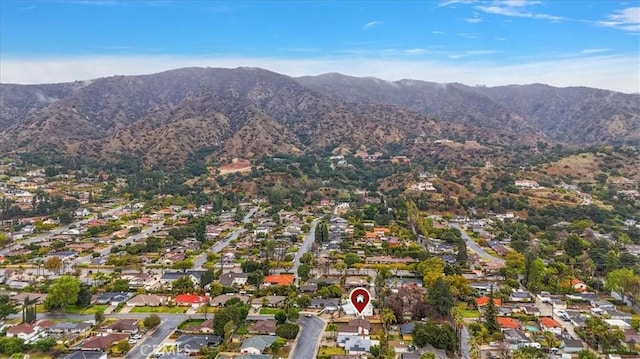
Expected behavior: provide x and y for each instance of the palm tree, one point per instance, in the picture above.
(458, 319)
(388, 318)
(550, 338)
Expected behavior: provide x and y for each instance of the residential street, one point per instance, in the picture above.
(306, 346)
(473, 246)
(202, 258)
(304, 247)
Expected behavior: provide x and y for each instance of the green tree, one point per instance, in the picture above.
(535, 272)
(10, 346)
(183, 285)
(45, 344)
(491, 315)
(288, 330)
(529, 353)
(573, 246)
(625, 282)
(183, 265)
(62, 292)
(304, 272)
(462, 257)
(350, 259)
(123, 346)
(6, 309)
(99, 316)
(587, 354)
(281, 317)
(431, 270)
(84, 297)
(151, 321)
(440, 297)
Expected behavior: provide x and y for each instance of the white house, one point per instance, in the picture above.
(23, 331)
(527, 184)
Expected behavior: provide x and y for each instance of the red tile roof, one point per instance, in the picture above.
(508, 323)
(550, 323)
(482, 301)
(280, 279)
(190, 299)
(21, 328)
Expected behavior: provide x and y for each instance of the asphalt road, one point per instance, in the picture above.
(474, 246)
(304, 248)
(152, 341)
(306, 346)
(202, 258)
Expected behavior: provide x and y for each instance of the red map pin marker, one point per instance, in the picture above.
(360, 298)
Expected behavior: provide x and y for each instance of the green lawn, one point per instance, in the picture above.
(86, 310)
(330, 351)
(190, 323)
(469, 313)
(73, 309)
(158, 310)
(269, 310)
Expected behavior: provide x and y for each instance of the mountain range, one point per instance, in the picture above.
(248, 112)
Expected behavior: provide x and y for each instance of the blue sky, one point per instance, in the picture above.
(563, 43)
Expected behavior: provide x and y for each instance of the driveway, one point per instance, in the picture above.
(308, 341)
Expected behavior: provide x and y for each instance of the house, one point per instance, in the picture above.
(103, 342)
(527, 184)
(571, 345)
(192, 300)
(255, 356)
(150, 300)
(355, 345)
(515, 339)
(231, 279)
(483, 301)
(322, 303)
(578, 285)
(23, 331)
(191, 344)
(70, 328)
(399, 346)
(520, 296)
(86, 355)
(508, 323)
(550, 325)
(82, 212)
(168, 278)
(267, 327)
(273, 301)
(129, 326)
(257, 344)
(113, 298)
(407, 328)
(278, 279)
(219, 300)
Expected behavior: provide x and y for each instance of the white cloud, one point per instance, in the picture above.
(436, 32)
(594, 51)
(453, 2)
(371, 24)
(514, 11)
(619, 73)
(473, 20)
(416, 51)
(627, 19)
(468, 35)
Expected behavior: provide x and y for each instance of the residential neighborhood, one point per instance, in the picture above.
(103, 276)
